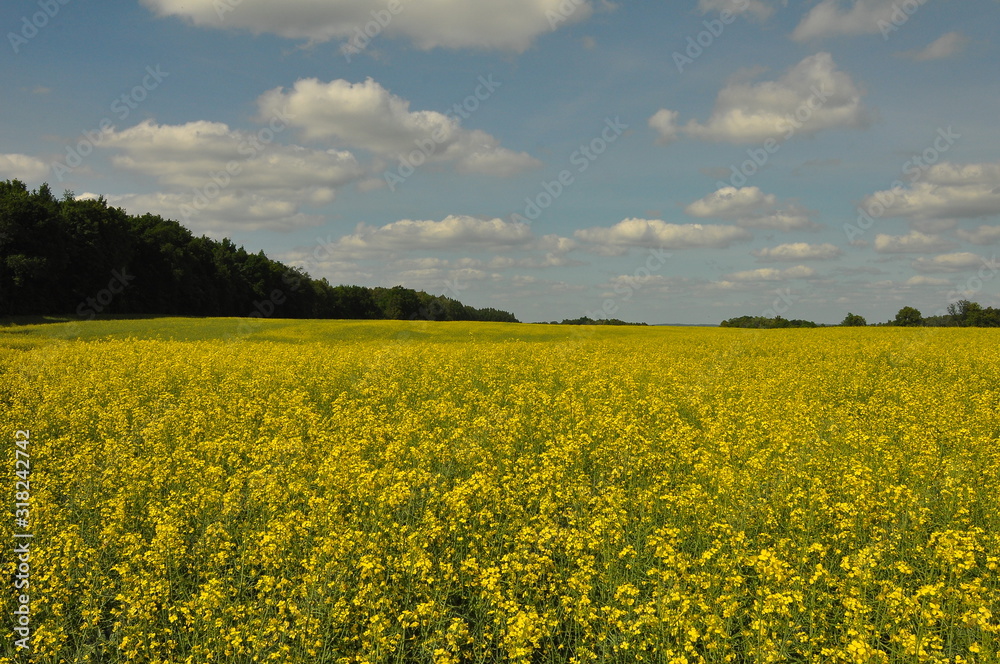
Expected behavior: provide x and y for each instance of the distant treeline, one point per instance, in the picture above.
(85, 258)
(586, 320)
(762, 323)
(959, 314)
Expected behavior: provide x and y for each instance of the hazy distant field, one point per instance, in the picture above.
(324, 491)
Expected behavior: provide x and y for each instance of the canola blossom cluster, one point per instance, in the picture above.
(336, 492)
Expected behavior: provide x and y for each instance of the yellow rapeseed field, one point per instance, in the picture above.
(323, 491)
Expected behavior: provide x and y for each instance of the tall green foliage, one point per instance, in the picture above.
(86, 258)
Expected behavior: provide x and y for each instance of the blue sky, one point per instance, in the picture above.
(677, 162)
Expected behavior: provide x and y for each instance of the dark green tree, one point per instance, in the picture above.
(71, 256)
(908, 317)
(965, 313)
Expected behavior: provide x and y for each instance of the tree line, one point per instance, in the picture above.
(84, 257)
(963, 313)
(587, 320)
(765, 323)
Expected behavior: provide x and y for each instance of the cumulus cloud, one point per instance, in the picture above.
(772, 274)
(369, 117)
(494, 263)
(187, 155)
(665, 124)
(921, 280)
(933, 226)
(428, 279)
(945, 46)
(948, 262)
(793, 218)
(731, 203)
(913, 242)
(830, 19)
(752, 208)
(655, 233)
(22, 167)
(509, 25)
(945, 191)
(982, 235)
(453, 233)
(221, 178)
(798, 251)
(220, 215)
(756, 8)
(811, 97)
(396, 252)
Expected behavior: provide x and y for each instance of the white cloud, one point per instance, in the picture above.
(920, 280)
(220, 215)
(22, 167)
(772, 274)
(798, 251)
(811, 97)
(367, 116)
(220, 178)
(949, 174)
(829, 19)
(943, 47)
(913, 242)
(437, 276)
(982, 235)
(790, 219)
(422, 253)
(948, 262)
(452, 232)
(550, 259)
(946, 191)
(752, 208)
(510, 25)
(665, 124)
(756, 8)
(932, 226)
(188, 155)
(731, 203)
(654, 233)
